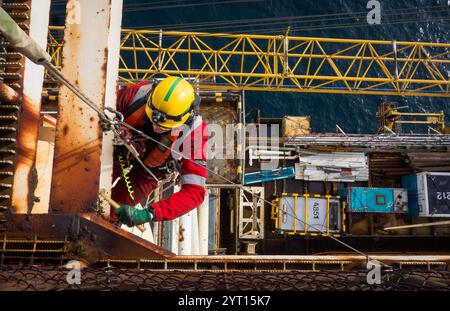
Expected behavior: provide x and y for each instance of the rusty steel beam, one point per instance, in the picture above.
(47, 226)
(90, 235)
(89, 62)
(110, 96)
(25, 178)
(117, 242)
(7, 94)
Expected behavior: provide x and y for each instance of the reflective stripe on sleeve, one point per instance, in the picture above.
(193, 179)
(200, 162)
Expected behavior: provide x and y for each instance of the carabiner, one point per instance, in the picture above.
(118, 115)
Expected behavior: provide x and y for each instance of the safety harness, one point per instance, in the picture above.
(158, 153)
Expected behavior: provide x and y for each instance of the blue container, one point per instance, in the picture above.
(376, 200)
(269, 175)
(410, 182)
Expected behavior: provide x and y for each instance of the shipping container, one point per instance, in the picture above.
(307, 214)
(376, 200)
(428, 194)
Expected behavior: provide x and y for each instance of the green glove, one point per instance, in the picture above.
(132, 216)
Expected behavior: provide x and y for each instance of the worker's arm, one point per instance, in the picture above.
(193, 180)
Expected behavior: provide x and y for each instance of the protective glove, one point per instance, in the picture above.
(132, 216)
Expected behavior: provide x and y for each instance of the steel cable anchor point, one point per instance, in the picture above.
(108, 122)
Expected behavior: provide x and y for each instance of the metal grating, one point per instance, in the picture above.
(21, 278)
(32, 250)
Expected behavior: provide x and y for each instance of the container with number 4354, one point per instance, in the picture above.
(428, 194)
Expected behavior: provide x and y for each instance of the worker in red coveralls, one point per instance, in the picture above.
(160, 110)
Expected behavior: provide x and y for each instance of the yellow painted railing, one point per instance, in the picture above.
(282, 63)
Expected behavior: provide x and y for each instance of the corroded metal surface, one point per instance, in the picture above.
(7, 94)
(43, 225)
(78, 145)
(118, 242)
(93, 237)
(25, 175)
(25, 178)
(10, 101)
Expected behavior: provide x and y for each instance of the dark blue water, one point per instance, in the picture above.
(354, 113)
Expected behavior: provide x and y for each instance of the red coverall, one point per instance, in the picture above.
(193, 176)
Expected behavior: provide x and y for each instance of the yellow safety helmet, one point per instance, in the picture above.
(171, 103)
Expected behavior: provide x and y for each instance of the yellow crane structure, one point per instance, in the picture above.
(389, 116)
(282, 62)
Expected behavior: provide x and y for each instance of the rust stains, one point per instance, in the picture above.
(25, 179)
(104, 68)
(65, 130)
(181, 234)
(118, 242)
(78, 154)
(7, 94)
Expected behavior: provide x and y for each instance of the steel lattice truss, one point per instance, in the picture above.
(284, 63)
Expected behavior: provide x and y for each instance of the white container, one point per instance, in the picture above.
(429, 194)
(317, 216)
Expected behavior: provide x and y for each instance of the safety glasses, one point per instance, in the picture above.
(160, 116)
(160, 129)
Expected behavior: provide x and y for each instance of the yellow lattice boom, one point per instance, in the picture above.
(284, 63)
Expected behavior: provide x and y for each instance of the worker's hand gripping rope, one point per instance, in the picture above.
(132, 216)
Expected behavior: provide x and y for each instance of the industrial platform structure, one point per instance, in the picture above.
(335, 201)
